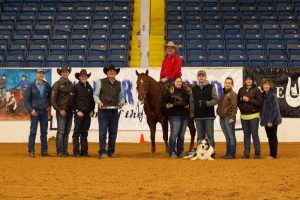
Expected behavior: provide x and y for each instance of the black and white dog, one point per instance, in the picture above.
(204, 151)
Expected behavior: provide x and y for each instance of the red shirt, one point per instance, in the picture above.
(171, 67)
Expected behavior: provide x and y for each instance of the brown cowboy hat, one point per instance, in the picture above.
(62, 69)
(106, 69)
(172, 44)
(82, 72)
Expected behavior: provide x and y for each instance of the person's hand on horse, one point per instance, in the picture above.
(164, 80)
(186, 106)
(80, 114)
(169, 105)
(100, 105)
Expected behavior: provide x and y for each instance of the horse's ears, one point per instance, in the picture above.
(136, 72)
(147, 72)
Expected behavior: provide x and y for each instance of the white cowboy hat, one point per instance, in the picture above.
(172, 44)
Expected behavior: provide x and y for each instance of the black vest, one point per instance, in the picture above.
(109, 93)
(203, 95)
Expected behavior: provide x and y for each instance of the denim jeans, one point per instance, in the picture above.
(63, 129)
(42, 117)
(250, 127)
(82, 126)
(178, 126)
(205, 126)
(229, 132)
(108, 121)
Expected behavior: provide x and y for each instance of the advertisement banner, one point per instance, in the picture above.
(132, 116)
(287, 82)
(13, 83)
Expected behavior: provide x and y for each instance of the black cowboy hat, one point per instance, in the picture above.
(82, 72)
(106, 69)
(60, 70)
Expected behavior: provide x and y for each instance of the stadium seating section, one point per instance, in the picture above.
(77, 33)
(235, 32)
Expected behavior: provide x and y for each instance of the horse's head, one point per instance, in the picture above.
(142, 84)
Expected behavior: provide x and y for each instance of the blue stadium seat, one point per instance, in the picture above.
(17, 50)
(37, 50)
(40, 39)
(278, 61)
(81, 29)
(3, 50)
(57, 50)
(35, 61)
(100, 29)
(120, 39)
(62, 29)
(216, 49)
(98, 50)
(117, 60)
(80, 39)
(99, 40)
(20, 40)
(295, 60)
(59, 39)
(84, 11)
(45, 20)
(7, 20)
(64, 20)
(237, 49)
(257, 61)
(47, 11)
(42, 29)
(55, 61)
(26, 20)
(14, 61)
(293, 49)
(75, 61)
(196, 60)
(276, 49)
(237, 60)
(117, 49)
(6, 29)
(77, 50)
(217, 60)
(4, 39)
(95, 61)
(256, 49)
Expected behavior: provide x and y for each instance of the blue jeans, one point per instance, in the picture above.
(63, 129)
(108, 121)
(205, 126)
(42, 117)
(250, 127)
(229, 132)
(178, 126)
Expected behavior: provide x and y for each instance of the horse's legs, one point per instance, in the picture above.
(164, 124)
(152, 126)
(192, 128)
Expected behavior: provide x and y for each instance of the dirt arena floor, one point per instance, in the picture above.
(138, 174)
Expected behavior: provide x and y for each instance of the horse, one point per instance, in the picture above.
(150, 92)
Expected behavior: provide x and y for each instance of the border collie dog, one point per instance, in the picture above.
(204, 151)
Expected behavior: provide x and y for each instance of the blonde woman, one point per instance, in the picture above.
(270, 115)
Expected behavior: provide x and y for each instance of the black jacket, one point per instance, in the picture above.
(179, 99)
(83, 98)
(255, 102)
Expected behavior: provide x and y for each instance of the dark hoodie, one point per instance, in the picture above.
(255, 102)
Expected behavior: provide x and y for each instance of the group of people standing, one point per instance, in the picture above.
(255, 106)
(74, 101)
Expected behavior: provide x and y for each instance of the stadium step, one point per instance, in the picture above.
(135, 50)
(157, 30)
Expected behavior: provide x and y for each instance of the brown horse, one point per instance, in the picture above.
(150, 92)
